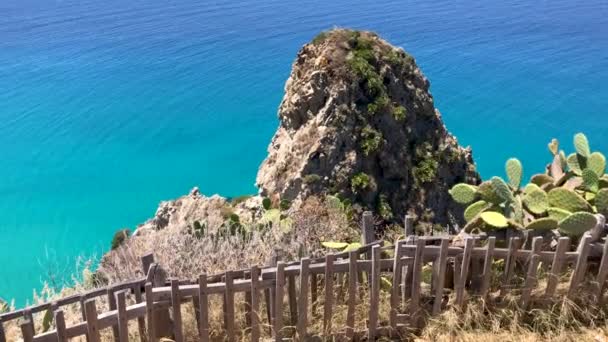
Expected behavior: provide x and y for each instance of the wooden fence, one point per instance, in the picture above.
(292, 290)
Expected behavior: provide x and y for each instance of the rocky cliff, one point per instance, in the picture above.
(358, 121)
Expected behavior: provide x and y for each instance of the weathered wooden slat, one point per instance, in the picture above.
(141, 321)
(303, 299)
(563, 244)
(247, 307)
(416, 280)
(352, 294)
(530, 281)
(464, 271)
(229, 314)
(487, 267)
(293, 299)
(439, 276)
(278, 302)
(83, 314)
(406, 287)
(121, 311)
(60, 326)
(581, 265)
(374, 294)
(602, 273)
(255, 304)
(92, 327)
(150, 312)
(112, 305)
(329, 294)
(176, 302)
(510, 262)
(396, 290)
(314, 296)
(27, 331)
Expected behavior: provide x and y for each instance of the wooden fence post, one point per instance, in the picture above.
(352, 293)
(229, 306)
(203, 308)
(176, 302)
(92, 327)
(303, 298)
(147, 261)
(27, 315)
(439, 276)
(141, 322)
(395, 290)
(150, 312)
(375, 294)
(60, 326)
(416, 279)
(464, 271)
(121, 309)
(510, 262)
(581, 265)
(255, 304)
(2, 334)
(487, 267)
(293, 300)
(329, 294)
(27, 331)
(408, 226)
(602, 273)
(563, 244)
(278, 302)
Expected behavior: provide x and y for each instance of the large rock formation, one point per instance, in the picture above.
(358, 120)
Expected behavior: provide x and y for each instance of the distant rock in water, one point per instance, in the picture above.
(358, 121)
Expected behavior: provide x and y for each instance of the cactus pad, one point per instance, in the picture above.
(494, 219)
(474, 209)
(581, 145)
(488, 193)
(514, 171)
(577, 224)
(553, 146)
(557, 213)
(463, 193)
(502, 189)
(536, 201)
(541, 179)
(591, 180)
(597, 163)
(601, 202)
(568, 200)
(576, 163)
(545, 223)
(531, 187)
(518, 210)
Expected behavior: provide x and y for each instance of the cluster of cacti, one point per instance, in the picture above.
(565, 197)
(273, 217)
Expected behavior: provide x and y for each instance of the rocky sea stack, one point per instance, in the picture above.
(358, 121)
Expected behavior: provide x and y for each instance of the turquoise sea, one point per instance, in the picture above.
(108, 107)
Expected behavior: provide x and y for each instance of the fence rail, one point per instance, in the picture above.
(292, 289)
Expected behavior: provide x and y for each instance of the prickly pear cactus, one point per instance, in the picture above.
(537, 201)
(577, 223)
(474, 209)
(568, 200)
(545, 223)
(597, 163)
(581, 144)
(565, 197)
(514, 171)
(494, 219)
(557, 213)
(463, 193)
(502, 189)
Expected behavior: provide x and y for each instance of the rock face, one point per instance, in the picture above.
(358, 121)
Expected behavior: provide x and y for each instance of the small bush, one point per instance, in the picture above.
(311, 178)
(120, 237)
(399, 113)
(371, 140)
(359, 182)
(266, 203)
(425, 171)
(384, 208)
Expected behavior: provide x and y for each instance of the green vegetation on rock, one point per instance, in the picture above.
(359, 182)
